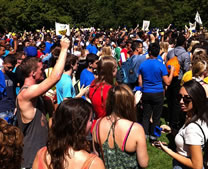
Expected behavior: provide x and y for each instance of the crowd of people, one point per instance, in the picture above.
(65, 102)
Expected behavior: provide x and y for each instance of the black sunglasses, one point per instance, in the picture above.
(186, 98)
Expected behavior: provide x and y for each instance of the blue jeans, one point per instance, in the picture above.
(9, 116)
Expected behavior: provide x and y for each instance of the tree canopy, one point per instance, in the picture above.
(34, 14)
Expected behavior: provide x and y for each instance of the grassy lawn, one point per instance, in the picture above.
(157, 158)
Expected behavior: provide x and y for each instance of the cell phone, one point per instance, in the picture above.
(156, 144)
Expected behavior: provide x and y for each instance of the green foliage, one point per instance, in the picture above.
(34, 14)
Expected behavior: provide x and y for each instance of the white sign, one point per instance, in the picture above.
(192, 26)
(62, 29)
(145, 25)
(198, 18)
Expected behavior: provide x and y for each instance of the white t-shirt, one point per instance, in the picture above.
(190, 135)
(1, 63)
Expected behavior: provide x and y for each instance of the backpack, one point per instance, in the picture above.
(173, 62)
(126, 72)
(204, 148)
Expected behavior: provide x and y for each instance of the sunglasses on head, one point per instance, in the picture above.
(186, 98)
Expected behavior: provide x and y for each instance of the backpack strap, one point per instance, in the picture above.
(202, 131)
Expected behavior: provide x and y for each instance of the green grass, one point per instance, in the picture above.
(157, 158)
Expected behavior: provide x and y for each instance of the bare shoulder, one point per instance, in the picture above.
(97, 163)
(137, 127)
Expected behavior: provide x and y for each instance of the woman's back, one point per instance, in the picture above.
(123, 143)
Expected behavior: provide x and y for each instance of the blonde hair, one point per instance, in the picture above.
(198, 55)
(164, 46)
(199, 68)
(106, 51)
(192, 45)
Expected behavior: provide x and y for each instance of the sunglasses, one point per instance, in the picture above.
(186, 98)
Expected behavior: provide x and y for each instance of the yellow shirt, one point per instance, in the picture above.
(188, 76)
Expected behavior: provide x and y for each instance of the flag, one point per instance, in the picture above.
(62, 29)
(192, 26)
(198, 18)
(145, 25)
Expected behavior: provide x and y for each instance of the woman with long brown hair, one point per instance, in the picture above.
(106, 69)
(121, 140)
(192, 137)
(67, 146)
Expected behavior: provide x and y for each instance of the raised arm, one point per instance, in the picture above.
(38, 89)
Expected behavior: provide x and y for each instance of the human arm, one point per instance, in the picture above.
(196, 160)
(141, 147)
(38, 89)
(168, 79)
(15, 45)
(83, 91)
(140, 80)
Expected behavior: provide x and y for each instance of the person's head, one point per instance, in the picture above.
(164, 46)
(9, 63)
(193, 100)
(137, 46)
(154, 49)
(70, 125)
(92, 60)
(121, 102)
(200, 69)
(107, 41)
(26, 43)
(55, 54)
(107, 69)
(95, 41)
(181, 40)
(48, 38)
(2, 50)
(106, 51)
(198, 55)
(71, 62)
(192, 44)
(11, 146)
(32, 67)
(20, 56)
(42, 46)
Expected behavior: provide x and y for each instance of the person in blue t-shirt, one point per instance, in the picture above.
(92, 47)
(48, 45)
(87, 75)
(152, 73)
(64, 87)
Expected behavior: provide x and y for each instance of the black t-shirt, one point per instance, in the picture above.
(82, 65)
